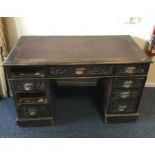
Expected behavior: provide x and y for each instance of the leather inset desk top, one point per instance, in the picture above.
(44, 50)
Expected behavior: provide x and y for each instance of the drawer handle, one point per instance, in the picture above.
(122, 107)
(28, 86)
(124, 95)
(80, 71)
(127, 84)
(130, 70)
(32, 112)
(40, 100)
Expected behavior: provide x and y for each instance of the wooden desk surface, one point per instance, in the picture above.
(45, 50)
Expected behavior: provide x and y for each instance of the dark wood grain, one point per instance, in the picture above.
(43, 50)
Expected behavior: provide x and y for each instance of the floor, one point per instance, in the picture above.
(76, 115)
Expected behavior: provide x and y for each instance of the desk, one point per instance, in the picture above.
(37, 62)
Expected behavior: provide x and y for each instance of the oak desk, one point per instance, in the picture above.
(37, 62)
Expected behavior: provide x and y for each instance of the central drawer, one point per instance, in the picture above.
(80, 70)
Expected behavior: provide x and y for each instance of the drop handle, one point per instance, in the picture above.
(127, 84)
(122, 107)
(130, 70)
(28, 86)
(80, 71)
(32, 112)
(125, 95)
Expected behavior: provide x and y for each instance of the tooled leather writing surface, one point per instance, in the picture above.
(75, 49)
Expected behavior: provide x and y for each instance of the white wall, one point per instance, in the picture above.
(64, 23)
(99, 25)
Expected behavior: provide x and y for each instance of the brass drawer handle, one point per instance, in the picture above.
(130, 70)
(80, 71)
(127, 84)
(124, 95)
(28, 86)
(121, 108)
(32, 112)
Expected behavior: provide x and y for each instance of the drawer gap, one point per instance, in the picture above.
(27, 72)
(31, 98)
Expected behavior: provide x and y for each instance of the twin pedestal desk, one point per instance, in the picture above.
(37, 62)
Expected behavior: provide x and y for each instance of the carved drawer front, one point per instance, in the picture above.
(136, 69)
(129, 82)
(29, 85)
(34, 111)
(122, 107)
(80, 70)
(125, 94)
(25, 71)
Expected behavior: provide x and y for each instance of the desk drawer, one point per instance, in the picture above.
(125, 94)
(132, 69)
(118, 107)
(31, 98)
(129, 82)
(29, 85)
(34, 111)
(26, 71)
(80, 70)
